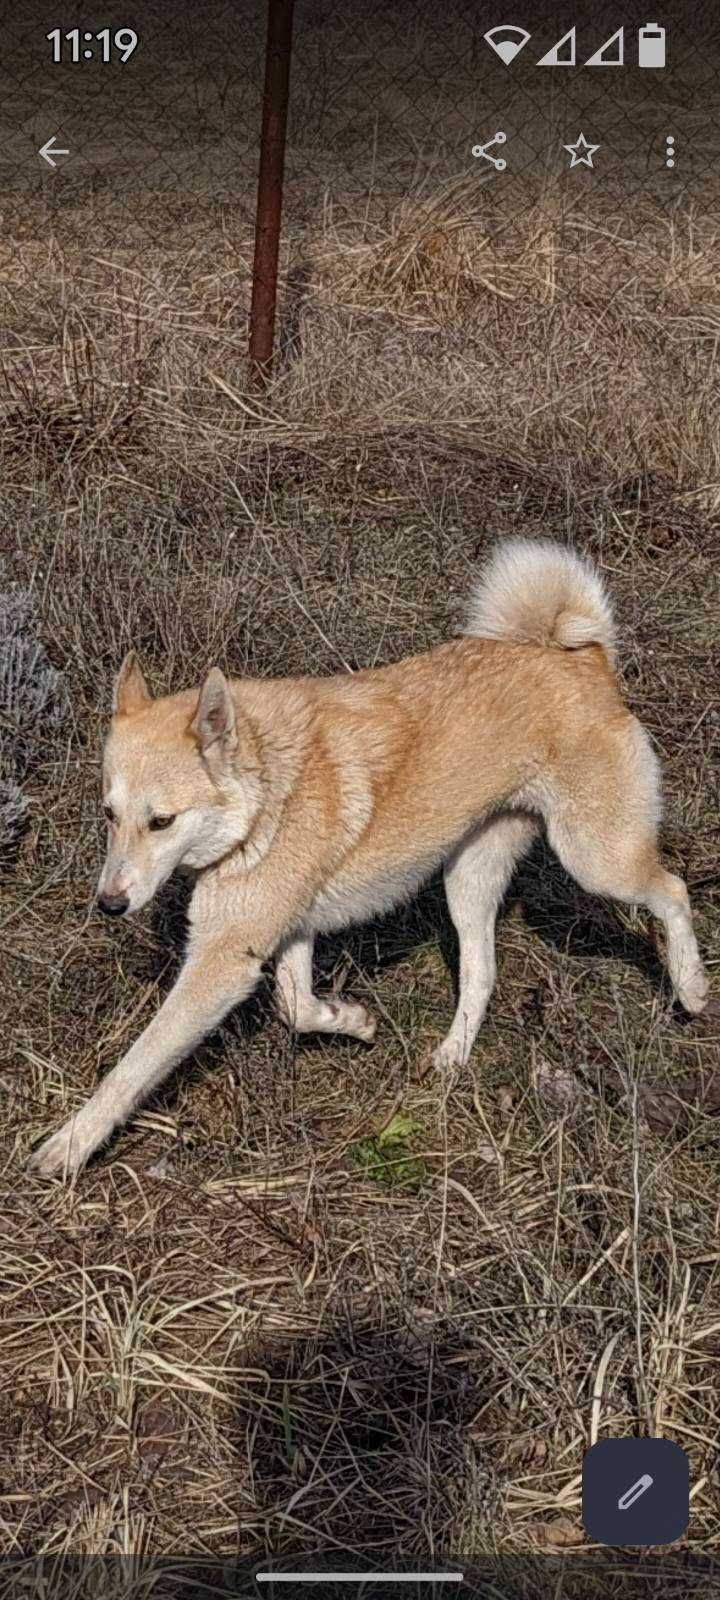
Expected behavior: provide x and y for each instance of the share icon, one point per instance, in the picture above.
(481, 150)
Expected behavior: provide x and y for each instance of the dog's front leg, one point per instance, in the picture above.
(213, 980)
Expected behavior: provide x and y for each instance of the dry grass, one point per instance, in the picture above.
(233, 1334)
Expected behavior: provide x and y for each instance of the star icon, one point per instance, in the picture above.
(581, 152)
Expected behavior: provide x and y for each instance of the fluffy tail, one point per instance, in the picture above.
(541, 593)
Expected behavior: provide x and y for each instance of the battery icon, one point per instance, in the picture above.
(651, 46)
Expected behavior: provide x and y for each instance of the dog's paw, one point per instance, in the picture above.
(693, 993)
(357, 1022)
(708, 1020)
(449, 1056)
(64, 1153)
(445, 1061)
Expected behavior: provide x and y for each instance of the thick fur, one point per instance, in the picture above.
(305, 805)
(542, 594)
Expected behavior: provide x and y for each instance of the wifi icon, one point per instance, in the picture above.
(507, 41)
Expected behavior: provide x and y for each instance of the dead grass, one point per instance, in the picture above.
(228, 1336)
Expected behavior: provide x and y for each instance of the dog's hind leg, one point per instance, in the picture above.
(304, 1011)
(667, 898)
(476, 877)
(602, 822)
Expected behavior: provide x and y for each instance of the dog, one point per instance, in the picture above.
(303, 805)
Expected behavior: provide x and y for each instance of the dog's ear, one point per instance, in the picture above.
(131, 691)
(214, 724)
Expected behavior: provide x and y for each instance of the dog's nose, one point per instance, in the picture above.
(113, 904)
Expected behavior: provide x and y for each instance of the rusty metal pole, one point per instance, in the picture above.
(270, 185)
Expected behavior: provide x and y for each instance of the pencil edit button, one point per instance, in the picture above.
(635, 1491)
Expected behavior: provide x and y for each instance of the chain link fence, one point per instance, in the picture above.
(151, 129)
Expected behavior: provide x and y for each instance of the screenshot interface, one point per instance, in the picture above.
(359, 803)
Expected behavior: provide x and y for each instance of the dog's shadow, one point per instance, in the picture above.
(553, 907)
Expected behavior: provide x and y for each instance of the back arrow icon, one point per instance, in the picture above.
(48, 151)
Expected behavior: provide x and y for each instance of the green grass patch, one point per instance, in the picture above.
(387, 1158)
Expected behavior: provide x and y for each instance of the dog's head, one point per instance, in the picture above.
(181, 785)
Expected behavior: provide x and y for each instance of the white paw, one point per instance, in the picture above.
(451, 1053)
(65, 1152)
(693, 993)
(358, 1022)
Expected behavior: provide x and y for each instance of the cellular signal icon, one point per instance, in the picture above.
(507, 41)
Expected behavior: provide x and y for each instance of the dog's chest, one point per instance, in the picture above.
(352, 897)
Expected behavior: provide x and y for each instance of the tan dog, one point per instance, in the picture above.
(306, 804)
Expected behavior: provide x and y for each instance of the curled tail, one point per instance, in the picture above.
(538, 592)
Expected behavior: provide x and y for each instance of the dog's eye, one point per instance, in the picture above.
(157, 823)
(109, 813)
